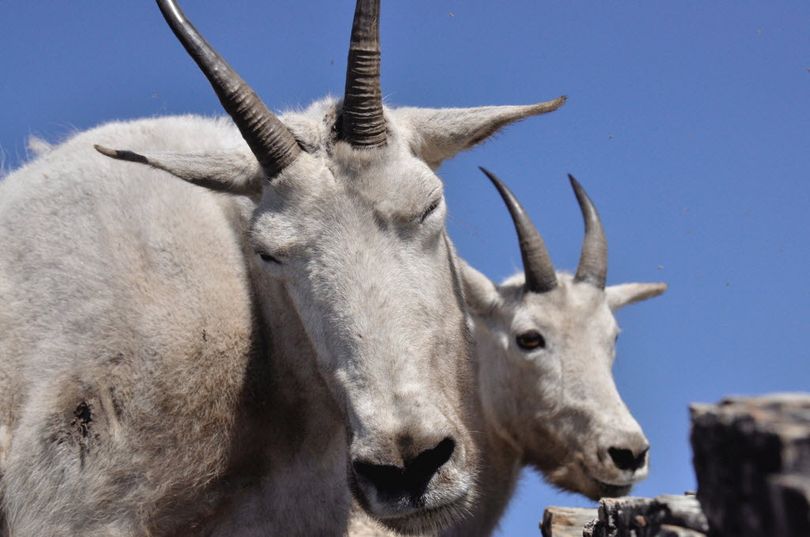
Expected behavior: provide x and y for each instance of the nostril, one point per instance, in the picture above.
(385, 478)
(625, 459)
(429, 461)
(391, 482)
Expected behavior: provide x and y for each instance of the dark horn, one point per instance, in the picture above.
(592, 266)
(269, 139)
(363, 121)
(540, 274)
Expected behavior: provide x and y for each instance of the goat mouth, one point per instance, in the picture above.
(429, 519)
(418, 519)
(605, 489)
(609, 490)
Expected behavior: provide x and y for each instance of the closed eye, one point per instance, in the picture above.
(267, 258)
(430, 210)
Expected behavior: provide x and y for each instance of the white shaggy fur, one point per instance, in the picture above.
(158, 378)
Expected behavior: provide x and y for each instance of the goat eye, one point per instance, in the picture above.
(267, 258)
(531, 340)
(429, 210)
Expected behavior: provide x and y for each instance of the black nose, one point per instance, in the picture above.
(625, 459)
(411, 480)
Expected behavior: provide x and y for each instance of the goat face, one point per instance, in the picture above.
(545, 375)
(359, 243)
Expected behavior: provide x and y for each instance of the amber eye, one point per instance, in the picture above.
(530, 340)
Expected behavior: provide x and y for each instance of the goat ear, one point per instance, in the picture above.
(440, 133)
(235, 172)
(480, 293)
(628, 293)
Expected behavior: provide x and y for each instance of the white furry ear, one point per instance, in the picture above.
(236, 172)
(441, 133)
(480, 293)
(628, 293)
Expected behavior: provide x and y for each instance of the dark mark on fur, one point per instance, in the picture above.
(83, 416)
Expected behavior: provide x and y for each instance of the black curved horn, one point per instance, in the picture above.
(363, 124)
(540, 274)
(592, 266)
(269, 139)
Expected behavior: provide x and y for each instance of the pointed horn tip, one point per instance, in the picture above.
(171, 12)
(500, 186)
(579, 190)
(491, 176)
(121, 154)
(105, 150)
(583, 199)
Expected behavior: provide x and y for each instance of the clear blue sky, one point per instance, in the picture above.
(688, 122)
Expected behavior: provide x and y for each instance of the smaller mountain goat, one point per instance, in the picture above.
(545, 344)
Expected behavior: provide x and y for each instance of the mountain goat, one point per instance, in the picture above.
(225, 360)
(545, 344)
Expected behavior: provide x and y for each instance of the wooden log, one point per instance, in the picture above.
(670, 516)
(644, 517)
(683, 511)
(566, 521)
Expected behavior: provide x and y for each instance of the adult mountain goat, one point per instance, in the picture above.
(545, 344)
(180, 360)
